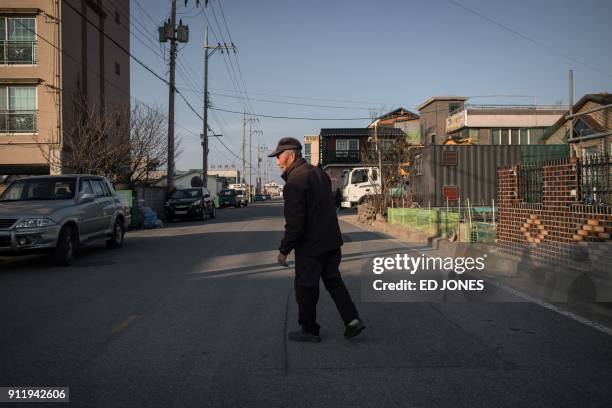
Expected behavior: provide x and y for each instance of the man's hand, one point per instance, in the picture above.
(282, 259)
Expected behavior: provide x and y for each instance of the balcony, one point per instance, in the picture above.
(333, 156)
(18, 121)
(17, 52)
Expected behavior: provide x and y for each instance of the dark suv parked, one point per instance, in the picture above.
(190, 203)
(227, 198)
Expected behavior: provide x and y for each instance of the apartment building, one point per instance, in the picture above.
(311, 149)
(501, 124)
(53, 53)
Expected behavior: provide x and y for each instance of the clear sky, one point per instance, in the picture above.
(357, 57)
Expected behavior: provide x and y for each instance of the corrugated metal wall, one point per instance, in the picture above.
(475, 172)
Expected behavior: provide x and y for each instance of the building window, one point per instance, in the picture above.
(453, 107)
(474, 135)
(418, 165)
(347, 144)
(308, 152)
(17, 109)
(514, 136)
(117, 68)
(495, 136)
(18, 40)
(524, 139)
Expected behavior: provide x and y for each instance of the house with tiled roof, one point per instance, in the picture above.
(592, 122)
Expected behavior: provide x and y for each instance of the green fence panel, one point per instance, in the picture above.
(433, 222)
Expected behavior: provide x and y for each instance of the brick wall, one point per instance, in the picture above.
(560, 229)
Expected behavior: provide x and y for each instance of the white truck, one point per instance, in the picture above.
(357, 184)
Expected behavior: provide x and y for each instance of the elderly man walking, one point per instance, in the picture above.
(312, 231)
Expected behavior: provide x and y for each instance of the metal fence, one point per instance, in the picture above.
(595, 179)
(17, 52)
(18, 121)
(531, 183)
(468, 224)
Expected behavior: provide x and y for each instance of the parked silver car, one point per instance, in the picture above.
(59, 213)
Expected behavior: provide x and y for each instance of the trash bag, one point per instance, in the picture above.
(150, 218)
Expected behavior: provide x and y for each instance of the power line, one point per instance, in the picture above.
(285, 117)
(285, 102)
(533, 40)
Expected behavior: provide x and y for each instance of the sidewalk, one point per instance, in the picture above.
(563, 291)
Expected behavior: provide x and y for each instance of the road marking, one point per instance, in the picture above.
(549, 306)
(124, 324)
(587, 322)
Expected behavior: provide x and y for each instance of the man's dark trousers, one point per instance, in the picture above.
(308, 270)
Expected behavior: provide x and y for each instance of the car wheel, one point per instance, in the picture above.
(65, 251)
(116, 240)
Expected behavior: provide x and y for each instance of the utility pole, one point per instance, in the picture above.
(243, 142)
(250, 167)
(207, 55)
(259, 182)
(169, 31)
(250, 161)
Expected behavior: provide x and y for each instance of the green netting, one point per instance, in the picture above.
(440, 222)
(485, 232)
(434, 221)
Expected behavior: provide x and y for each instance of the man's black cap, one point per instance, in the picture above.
(286, 143)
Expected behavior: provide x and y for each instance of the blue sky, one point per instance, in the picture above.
(364, 56)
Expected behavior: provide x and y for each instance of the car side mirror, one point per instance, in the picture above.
(86, 197)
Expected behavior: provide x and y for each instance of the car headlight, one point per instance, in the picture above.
(37, 222)
(197, 202)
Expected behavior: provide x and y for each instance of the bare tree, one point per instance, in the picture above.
(121, 143)
(94, 141)
(148, 142)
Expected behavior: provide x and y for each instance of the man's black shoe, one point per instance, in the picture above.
(353, 328)
(304, 337)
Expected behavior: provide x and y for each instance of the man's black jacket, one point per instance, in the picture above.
(310, 214)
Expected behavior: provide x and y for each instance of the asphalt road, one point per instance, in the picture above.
(196, 315)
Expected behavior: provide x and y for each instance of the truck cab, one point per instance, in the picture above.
(357, 184)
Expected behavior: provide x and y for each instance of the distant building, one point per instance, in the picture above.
(311, 149)
(402, 119)
(501, 124)
(343, 149)
(273, 189)
(229, 175)
(433, 113)
(193, 178)
(592, 131)
(52, 52)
